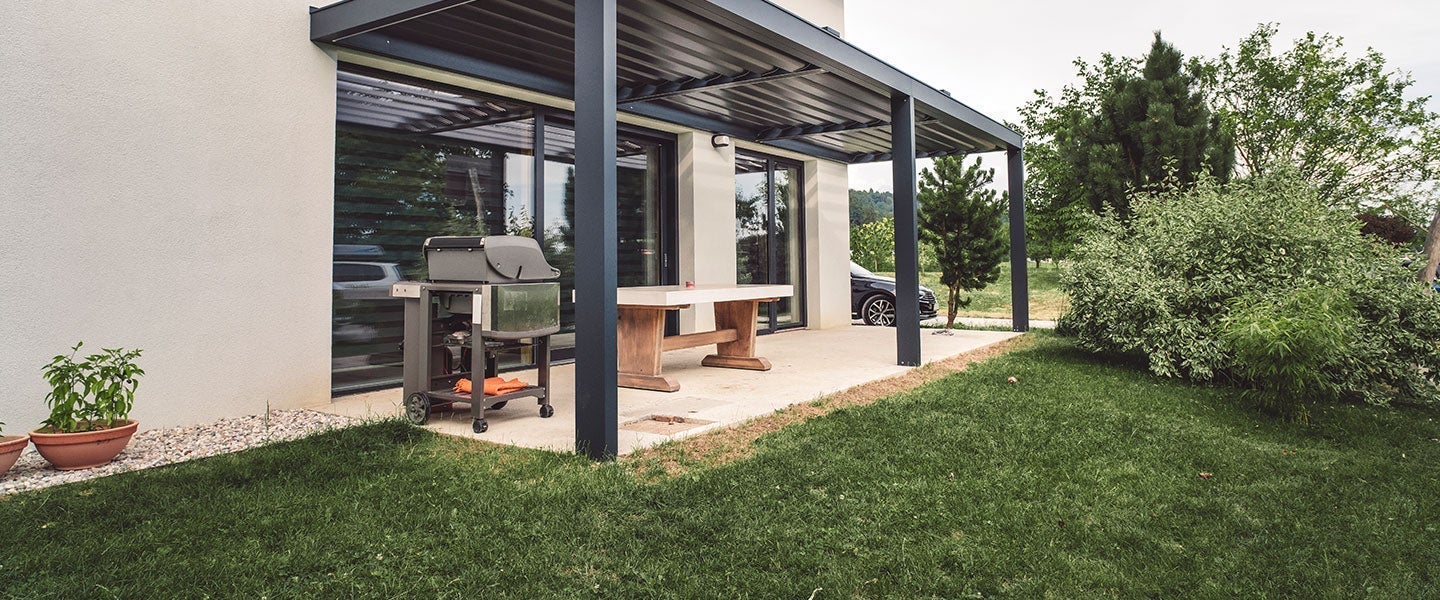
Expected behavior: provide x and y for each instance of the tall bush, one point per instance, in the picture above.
(872, 245)
(1191, 260)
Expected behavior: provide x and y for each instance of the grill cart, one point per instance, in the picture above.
(484, 296)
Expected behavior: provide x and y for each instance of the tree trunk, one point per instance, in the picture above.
(952, 308)
(1432, 250)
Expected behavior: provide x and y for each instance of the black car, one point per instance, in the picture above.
(872, 298)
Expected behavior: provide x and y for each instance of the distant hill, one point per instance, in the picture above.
(867, 206)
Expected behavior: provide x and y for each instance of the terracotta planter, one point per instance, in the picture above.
(10, 448)
(84, 450)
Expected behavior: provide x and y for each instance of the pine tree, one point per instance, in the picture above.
(1147, 129)
(960, 217)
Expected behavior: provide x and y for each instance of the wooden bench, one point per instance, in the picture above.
(641, 329)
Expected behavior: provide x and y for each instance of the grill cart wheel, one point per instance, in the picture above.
(547, 411)
(479, 425)
(498, 405)
(417, 408)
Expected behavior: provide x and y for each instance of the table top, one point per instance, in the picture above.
(679, 295)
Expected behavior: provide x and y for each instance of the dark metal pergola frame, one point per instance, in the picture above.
(812, 55)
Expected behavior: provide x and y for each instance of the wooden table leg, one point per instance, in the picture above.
(641, 335)
(739, 354)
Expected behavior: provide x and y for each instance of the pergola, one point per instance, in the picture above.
(744, 68)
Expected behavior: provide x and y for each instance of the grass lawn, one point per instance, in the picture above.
(1047, 300)
(1081, 480)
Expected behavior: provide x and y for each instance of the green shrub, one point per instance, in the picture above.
(1285, 344)
(1165, 284)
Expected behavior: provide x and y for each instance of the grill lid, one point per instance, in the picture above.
(466, 258)
(518, 258)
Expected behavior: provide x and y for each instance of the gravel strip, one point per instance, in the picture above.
(157, 447)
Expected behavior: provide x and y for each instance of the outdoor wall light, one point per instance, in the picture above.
(720, 140)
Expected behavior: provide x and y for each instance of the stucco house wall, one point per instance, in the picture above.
(167, 183)
(825, 13)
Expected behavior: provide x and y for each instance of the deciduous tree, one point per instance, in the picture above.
(1343, 124)
(872, 245)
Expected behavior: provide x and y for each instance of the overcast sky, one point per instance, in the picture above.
(992, 54)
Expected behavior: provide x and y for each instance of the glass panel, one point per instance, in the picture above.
(410, 164)
(638, 186)
(752, 223)
(763, 216)
(639, 259)
(787, 242)
(393, 188)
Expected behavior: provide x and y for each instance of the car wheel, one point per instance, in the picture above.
(878, 310)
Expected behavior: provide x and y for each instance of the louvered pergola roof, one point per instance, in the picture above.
(744, 68)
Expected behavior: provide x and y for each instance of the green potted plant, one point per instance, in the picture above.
(90, 401)
(10, 448)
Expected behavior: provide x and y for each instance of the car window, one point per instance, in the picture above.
(860, 271)
(350, 272)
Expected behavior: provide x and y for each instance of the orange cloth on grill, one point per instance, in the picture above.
(494, 386)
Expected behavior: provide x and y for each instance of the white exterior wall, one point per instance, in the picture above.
(166, 177)
(706, 220)
(706, 224)
(827, 244)
(825, 13)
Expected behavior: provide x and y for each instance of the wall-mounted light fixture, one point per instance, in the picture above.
(720, 140)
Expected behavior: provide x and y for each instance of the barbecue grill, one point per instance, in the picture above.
(484, 296)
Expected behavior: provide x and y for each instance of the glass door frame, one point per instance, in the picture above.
(668, 197)
(770, 313)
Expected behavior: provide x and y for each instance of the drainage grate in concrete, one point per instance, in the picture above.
(664, 424)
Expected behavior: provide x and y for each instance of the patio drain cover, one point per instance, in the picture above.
(664, 424)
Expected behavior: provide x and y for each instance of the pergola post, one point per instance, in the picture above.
(596, 413)
(907, 244)
(1019, 267)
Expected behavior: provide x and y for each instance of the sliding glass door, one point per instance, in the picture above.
(415, 159)
(769, 240)
(643, 189)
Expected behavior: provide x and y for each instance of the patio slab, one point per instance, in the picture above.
(806, 365)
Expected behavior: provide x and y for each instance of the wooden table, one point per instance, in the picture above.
(641, 330)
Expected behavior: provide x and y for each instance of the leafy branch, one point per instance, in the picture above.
(92, 393)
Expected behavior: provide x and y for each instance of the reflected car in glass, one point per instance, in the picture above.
(364, 280)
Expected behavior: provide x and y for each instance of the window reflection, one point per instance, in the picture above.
(767, 233)
(639, 256)
(415, 160)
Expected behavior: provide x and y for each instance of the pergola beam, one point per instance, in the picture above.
(799, 131)
(337, 22)
(381, 45)
(631, 94)
(361, 26)
(813, 45)
(868, 157)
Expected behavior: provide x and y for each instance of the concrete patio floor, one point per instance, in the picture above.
(805, 365)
